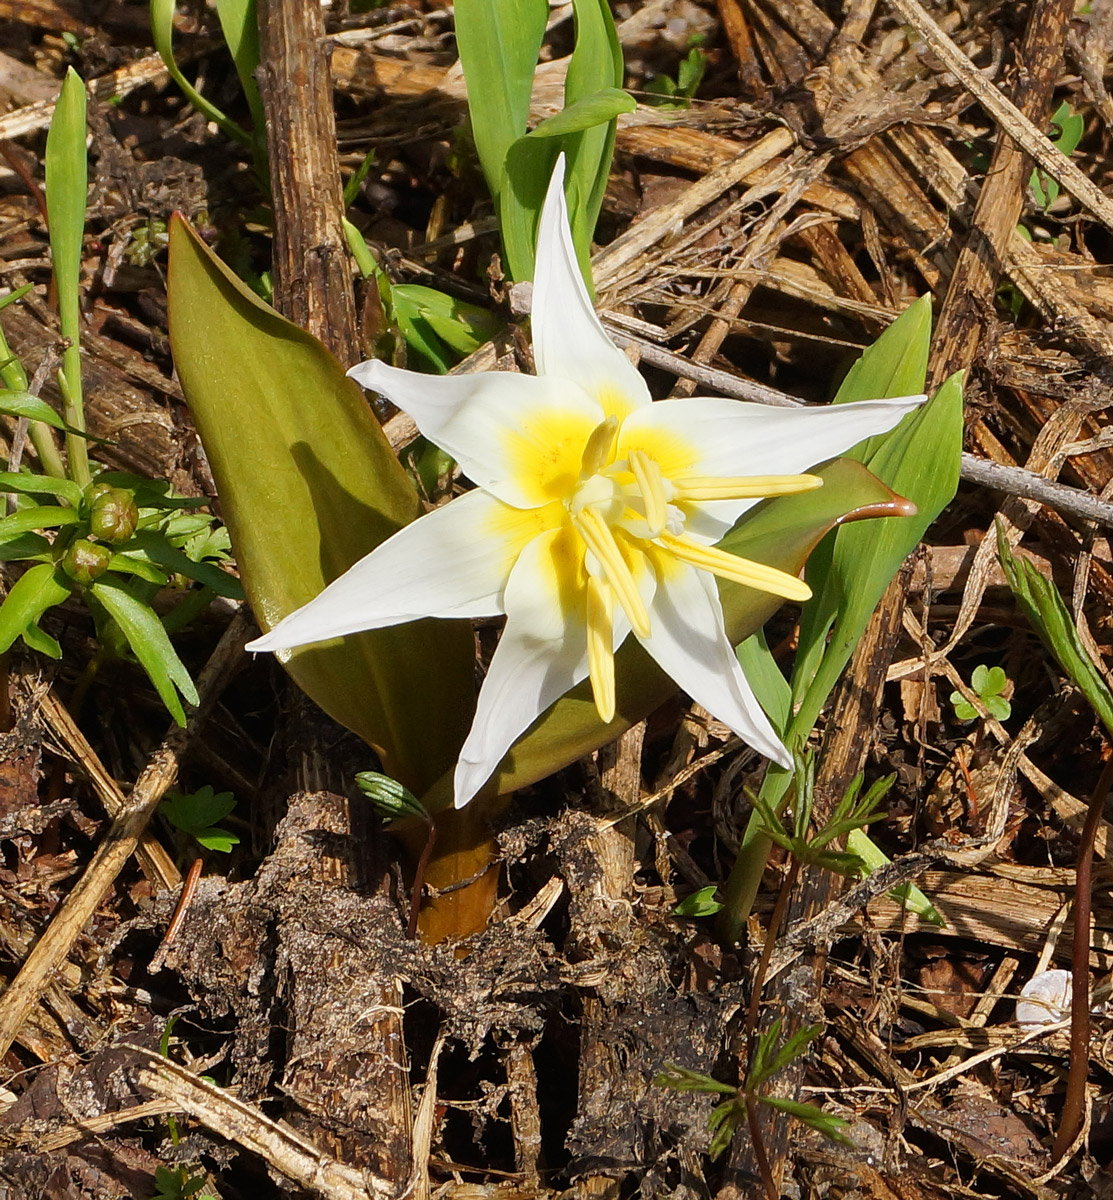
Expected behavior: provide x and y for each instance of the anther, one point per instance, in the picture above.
(651, 484)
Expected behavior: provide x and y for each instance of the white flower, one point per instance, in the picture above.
(595, 514)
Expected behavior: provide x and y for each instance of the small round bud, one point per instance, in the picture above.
(85, 561)
(113, 515)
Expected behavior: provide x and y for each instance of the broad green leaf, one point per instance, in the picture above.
(162, 35)
(498, 42)
(308, 485)
(142, 629)
(596, 109)
(25, 546)
(35, 591)
(66, 185)
(779, 532)
(41, 485)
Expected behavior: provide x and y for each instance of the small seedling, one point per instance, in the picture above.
(679, 92)
(197, 815)
(699, 904)
(177, 1184)
(1071, 126)
(768, 1059)
(989, 683)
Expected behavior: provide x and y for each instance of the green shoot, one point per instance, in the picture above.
(699, 904)
(769, 1057)
(679, 92)
(66, 183)
(989, 684)
(1071, 126)
(197, 815)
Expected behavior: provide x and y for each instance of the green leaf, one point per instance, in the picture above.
(18, 403)
(596, 65)
(262, 391)
(66, 185)
(850, 571)
(152, 547)
(162, 35)
(38, 516)
(240, 26)
(35, 591)
(142, 629)
(498, 42)
(1041, 603)
(699, 904)
(766, 678)
(596, 109)
(780, 532)
(41, 485)
(908, 895)
(979, 679)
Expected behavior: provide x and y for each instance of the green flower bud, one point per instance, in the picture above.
(85, 561)
(113, 515)
(390, 798)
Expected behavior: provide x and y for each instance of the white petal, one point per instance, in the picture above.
(541, 655)
(712, 436)
(454, 562)
(568, 340)
(518, 436)
(690, 644)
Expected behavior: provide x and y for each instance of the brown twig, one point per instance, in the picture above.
(50, 951)
(1074, 1103)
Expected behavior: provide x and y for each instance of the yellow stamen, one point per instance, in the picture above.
(739, 570)
(597, 452)
(600, 541)
(651, 484)
(600, 646)
(743, 487)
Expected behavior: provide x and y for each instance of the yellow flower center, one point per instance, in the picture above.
(629, 512)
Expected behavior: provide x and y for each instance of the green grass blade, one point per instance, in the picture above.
(66, 185)
(309, 485)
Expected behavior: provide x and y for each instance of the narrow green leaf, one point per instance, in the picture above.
(264, 393)
(596, 109)
(142, 629)
(1041, 603)
(498, 42)
(596, 64)
(39, 516)
(40, 485)
(766, 678)
(66, 185)
(240, 26)
(18, 403)
(162, 35)
(155, 549)
(35, 591)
